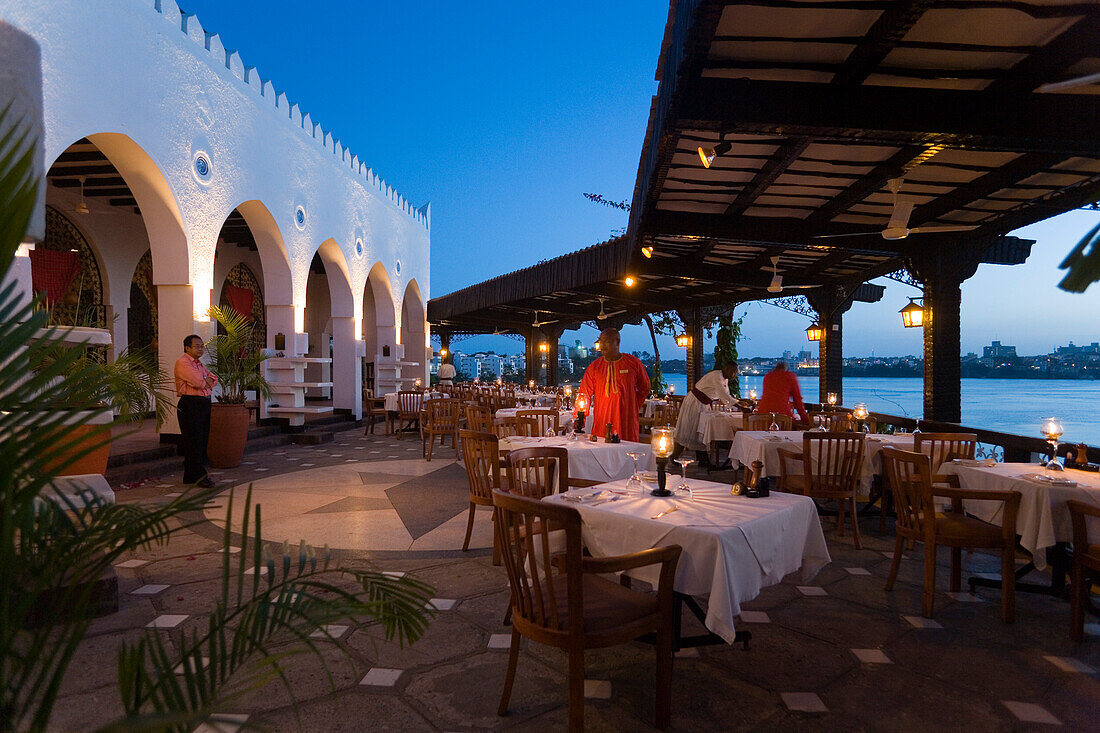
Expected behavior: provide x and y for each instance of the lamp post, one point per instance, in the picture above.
(662, 444)
(912, 315)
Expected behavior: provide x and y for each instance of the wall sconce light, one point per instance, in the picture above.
(707, 154)
(912, 315)
(544, 347)
(443, 353)
(683, 340)
(629, 281)
(647, 252)
(815, 332)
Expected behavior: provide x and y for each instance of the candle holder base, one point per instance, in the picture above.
(661, 478)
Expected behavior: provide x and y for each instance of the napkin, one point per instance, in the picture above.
(985, 462)
(587, 497)
(1043, 478)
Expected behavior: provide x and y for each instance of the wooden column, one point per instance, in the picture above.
(530, 356)
(553, 336)
(445, 341)
(942, 271)
(830, 305)
(693, 325)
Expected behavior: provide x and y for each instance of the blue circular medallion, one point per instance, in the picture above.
(202, 166)
(359, 247)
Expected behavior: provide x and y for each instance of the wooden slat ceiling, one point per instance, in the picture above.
(822, 102)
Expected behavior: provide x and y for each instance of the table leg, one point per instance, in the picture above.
(1059, 559)
(680, 641)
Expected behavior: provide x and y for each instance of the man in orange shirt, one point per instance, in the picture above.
(194, 383)
(780, 389)
(617, 385)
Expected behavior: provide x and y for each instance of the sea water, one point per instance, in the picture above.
(1008, 405)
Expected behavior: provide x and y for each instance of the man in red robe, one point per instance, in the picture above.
(780, 390)
(616, 384)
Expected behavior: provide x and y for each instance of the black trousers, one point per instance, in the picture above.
(194, 417)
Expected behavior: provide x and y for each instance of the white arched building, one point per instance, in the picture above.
(173, 170)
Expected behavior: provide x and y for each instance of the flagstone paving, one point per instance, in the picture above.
(840, 653)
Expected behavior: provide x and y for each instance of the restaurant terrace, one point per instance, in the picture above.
(445, 555)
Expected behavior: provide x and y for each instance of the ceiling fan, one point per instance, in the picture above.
(898, 226)
(776, 285)
(537, 323)
(602, 316)
(82, 207)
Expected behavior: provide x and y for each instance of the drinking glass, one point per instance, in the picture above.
(635, 481)
(684, 463)
(774, 427)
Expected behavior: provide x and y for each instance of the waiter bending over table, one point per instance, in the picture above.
(712, 387)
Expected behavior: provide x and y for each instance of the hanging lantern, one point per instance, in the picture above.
(912, 315)
(815, 332)
(682, 340)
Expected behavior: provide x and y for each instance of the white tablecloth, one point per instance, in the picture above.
(1043, 519)
(391, 400)
(599, 461)
(651, 405)
(763, 446)
(538, 398)
(715, 426)
(732, 545)
(564, 416)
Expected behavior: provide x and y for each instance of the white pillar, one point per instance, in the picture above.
(280, 319)
(347, 367)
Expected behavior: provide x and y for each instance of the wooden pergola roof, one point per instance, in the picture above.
(986, 109)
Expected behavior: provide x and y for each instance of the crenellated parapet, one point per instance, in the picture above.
(264, 91)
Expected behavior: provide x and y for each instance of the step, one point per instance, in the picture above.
(286, 386)
(299, 410)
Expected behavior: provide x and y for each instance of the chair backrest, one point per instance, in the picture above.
(910, 477)
(522, 426)
(409, 401)
(524, 525)
(481, 457)
(443, 413)
(538, 472)
(838, 422)
(833, 461)
(479, 418)
(764, 420)
(667, 414)
(546, 419)
(943, 447)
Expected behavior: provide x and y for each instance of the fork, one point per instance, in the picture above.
(670, 510)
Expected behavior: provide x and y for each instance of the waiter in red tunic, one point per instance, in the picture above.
(780, 391)
(617, 384)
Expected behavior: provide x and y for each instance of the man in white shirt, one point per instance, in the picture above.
(446, 374)
(712, 387)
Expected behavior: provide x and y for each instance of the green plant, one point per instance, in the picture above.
(51, 552)
(233, 358)
(725, 345)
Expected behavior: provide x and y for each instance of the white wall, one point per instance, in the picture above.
(154, 91)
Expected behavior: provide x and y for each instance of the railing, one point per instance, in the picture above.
(1007, 447)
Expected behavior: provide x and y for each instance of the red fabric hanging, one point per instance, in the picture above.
(53, 272)
(240, 300)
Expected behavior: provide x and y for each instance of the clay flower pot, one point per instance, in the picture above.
(78, 438)
(228, 434)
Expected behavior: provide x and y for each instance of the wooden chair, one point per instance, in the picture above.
(831, 464)
(546, 419)
(560, 600)
(764, 420)
(481, 458)
(944, 447)
(910, 477)
(838, 422)
(522, 426)
(409, 402)
(479, 419)
(373, 408)
(441, 420)
(538, 472)
(1086, 564)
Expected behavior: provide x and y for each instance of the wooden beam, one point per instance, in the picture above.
(879, 40)
(892, 116)
(784, 155)
(892, 167)
(1052, 61)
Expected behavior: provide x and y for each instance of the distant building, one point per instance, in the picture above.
(996, 354)
(578, 350)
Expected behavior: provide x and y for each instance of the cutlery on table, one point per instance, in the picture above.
(670, 510)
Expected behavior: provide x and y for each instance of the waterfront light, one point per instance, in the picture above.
(815, 332)
(912, 315)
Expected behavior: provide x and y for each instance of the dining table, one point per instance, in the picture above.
(716, 426)
(588, 460)
(564, 416)
(391, 403)
(763, 445)
(649, 407)
(733, 546)
(1042, 521)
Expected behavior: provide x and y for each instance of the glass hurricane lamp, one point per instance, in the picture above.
(662, 444)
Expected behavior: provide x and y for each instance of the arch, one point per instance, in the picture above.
(413, 324)
(379, 314)
(241, 276)
(274, 260)
(157, 202)
(85, 302)
(339, 281)
(142, 319)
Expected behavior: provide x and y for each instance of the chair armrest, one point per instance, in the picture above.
(1011, 501)
(1078, 511)
(786, 454)
(618, 563)
(952, 480)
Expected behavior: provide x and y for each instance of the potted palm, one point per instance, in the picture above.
(236, 363)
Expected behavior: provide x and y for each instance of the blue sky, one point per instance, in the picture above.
(504, 114)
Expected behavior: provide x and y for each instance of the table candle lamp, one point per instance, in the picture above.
(418, 382)
(582, 405)
(671, 389)
(1051, 429)
(831, 399)
(752, 395)
(859, 412)
(662, 444)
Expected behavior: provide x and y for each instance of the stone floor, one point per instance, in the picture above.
(837, 654)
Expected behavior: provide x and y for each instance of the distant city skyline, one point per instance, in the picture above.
(505, 132)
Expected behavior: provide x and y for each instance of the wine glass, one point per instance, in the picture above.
(1051, 429)
(684, 463)
(550, 432)
(774, 426)
(635, 481)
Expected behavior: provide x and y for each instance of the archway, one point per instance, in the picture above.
(141, 316)
(66, 269)
(329, 284)
(379, 322)
(239, 272)
(242, 292)
(414, 322)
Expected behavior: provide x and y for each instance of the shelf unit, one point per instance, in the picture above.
(287, 377)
